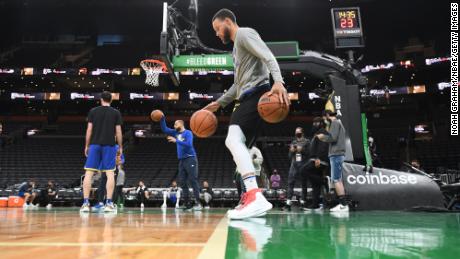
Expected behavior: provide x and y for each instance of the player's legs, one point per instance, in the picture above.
(291, 183)
(192, 175)
(304, 184)
(336, 175)
(183, 182)
(165, 196)
(317, 182)
(236, 143)
(32, 197)
(86, 190)
(117, 193)
(108, 166)
(110, 185)
(177, 198)
(239, 184)
(207, 199)
(93, 162)
(27, 197)
(244, 125)
(87, 184)
(141, 197)
(101, 189)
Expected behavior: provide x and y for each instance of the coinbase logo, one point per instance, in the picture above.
(381, 179)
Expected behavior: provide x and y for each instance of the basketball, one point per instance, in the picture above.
(203, 123)
(156, 115)
(271, 109)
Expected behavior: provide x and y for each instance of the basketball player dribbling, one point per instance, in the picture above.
(253, 63)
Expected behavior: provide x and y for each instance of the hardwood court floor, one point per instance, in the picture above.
(65, 233)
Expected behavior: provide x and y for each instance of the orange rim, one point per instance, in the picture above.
(147, 64)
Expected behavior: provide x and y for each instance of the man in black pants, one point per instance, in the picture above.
(253, 62)
(188, 163)
(118, 197)
(206, 194)
(317, 163)
(142, 193)
(100, 194)
(49, 194)
(298, 154)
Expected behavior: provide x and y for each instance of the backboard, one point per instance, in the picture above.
(169, 44)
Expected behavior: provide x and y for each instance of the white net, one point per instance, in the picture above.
(152, 70)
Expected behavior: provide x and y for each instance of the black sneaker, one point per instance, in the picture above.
(286, 208)
(181, 207)
(188, 206)
(313, 209)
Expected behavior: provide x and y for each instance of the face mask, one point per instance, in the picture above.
(314, 129)
(298, 135)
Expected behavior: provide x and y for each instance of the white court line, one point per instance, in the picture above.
(217, 243)
(77, 244)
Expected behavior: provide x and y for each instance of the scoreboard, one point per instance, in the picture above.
(347, 26)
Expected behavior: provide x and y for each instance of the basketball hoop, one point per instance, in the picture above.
(153, 68)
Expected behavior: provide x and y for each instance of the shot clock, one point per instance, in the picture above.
(347, 26)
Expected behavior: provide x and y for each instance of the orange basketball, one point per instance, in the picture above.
(271, 109)
(203, 123)
(156, 115)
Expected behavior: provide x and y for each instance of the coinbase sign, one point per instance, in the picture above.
(386, 189)
(379, 178)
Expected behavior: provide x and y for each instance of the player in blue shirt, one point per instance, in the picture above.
(188, 164)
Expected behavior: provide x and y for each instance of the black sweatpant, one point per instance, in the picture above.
(316, 178)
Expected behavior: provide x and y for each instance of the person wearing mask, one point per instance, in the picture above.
(206, 194)
(298, 155)
(336, 137)
(275, 180)
(49, 194)
(317, 163)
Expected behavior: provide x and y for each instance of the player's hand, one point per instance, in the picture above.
(171, 139)
(86, 151)
(299, 149)
(320, 136)
(317, 163)
(120, 151)
(278, 88)
(212, 107)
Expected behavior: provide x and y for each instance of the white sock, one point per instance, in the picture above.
(177, 198)
(250, 182)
